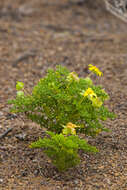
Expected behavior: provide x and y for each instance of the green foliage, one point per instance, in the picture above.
(20, 93)
(63, 151)
(57, 99)
(65, 105)
(19, 85)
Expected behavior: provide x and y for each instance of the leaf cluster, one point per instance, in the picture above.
(58, 104)
(55, 101)
(63, 150)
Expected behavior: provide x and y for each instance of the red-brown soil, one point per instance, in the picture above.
(36, 35)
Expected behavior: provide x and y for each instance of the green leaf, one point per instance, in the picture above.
(19, 85)
(20, 93)
(89, 81)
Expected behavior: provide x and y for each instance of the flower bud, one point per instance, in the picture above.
(19, 85)
(20, 93)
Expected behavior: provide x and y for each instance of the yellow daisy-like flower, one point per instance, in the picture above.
(95, 70)
(73, 76)
(71, 125)
(89, 92)
(70, 129)
(96, 102)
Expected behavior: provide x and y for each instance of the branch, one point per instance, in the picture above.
(5, 133)
(116, 11)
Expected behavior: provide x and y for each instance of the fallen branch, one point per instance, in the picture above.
(24, 56)
(5, 133)
(116, 11)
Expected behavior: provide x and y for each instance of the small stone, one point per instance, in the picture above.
(1, 114)
(116, 174)
(43, 183)
(58, 187)
(11, 116)
(21, 136)
(107, 180)
(1, 180)
(24, 173)
(76, 188)
(34, 161)
(101, 167)
(76, 182)
(26, 10)
(36, 172)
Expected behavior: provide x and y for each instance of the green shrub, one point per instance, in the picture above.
(65, 105)
(63, 150)
(58, 99)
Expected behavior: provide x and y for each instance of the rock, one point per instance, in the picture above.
(44, 183)
(24, 173)
(58, 187)
(26, 10)
(1, 114)
(21, 136)
(1, 180)
(36, 172)
(107, 180)
(11, 116)
(76, 182)
(34, 161)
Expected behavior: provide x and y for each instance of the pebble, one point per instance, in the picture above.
(58, 187)
(1, 180)
(36, 172)
(44, 183)
(76, 182)
(76, 188)
(107, 180)
(1, 114)
(21, 136)
(26, 10)
(34, 161)
(24, 173)
(11, 116)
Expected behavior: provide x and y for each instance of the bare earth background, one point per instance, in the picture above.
(36, 35)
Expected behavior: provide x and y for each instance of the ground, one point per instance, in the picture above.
(36, 35)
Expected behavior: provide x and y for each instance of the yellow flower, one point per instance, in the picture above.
(96, 102)
(97, 131)
(73, 76)
(71, 125)
(95, 70)
(70, 129)
(89, 92)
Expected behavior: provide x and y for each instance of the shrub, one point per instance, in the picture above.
(62, 97)
(66, 105)
(63, 150)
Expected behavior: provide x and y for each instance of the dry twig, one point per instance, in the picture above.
(5, 133)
